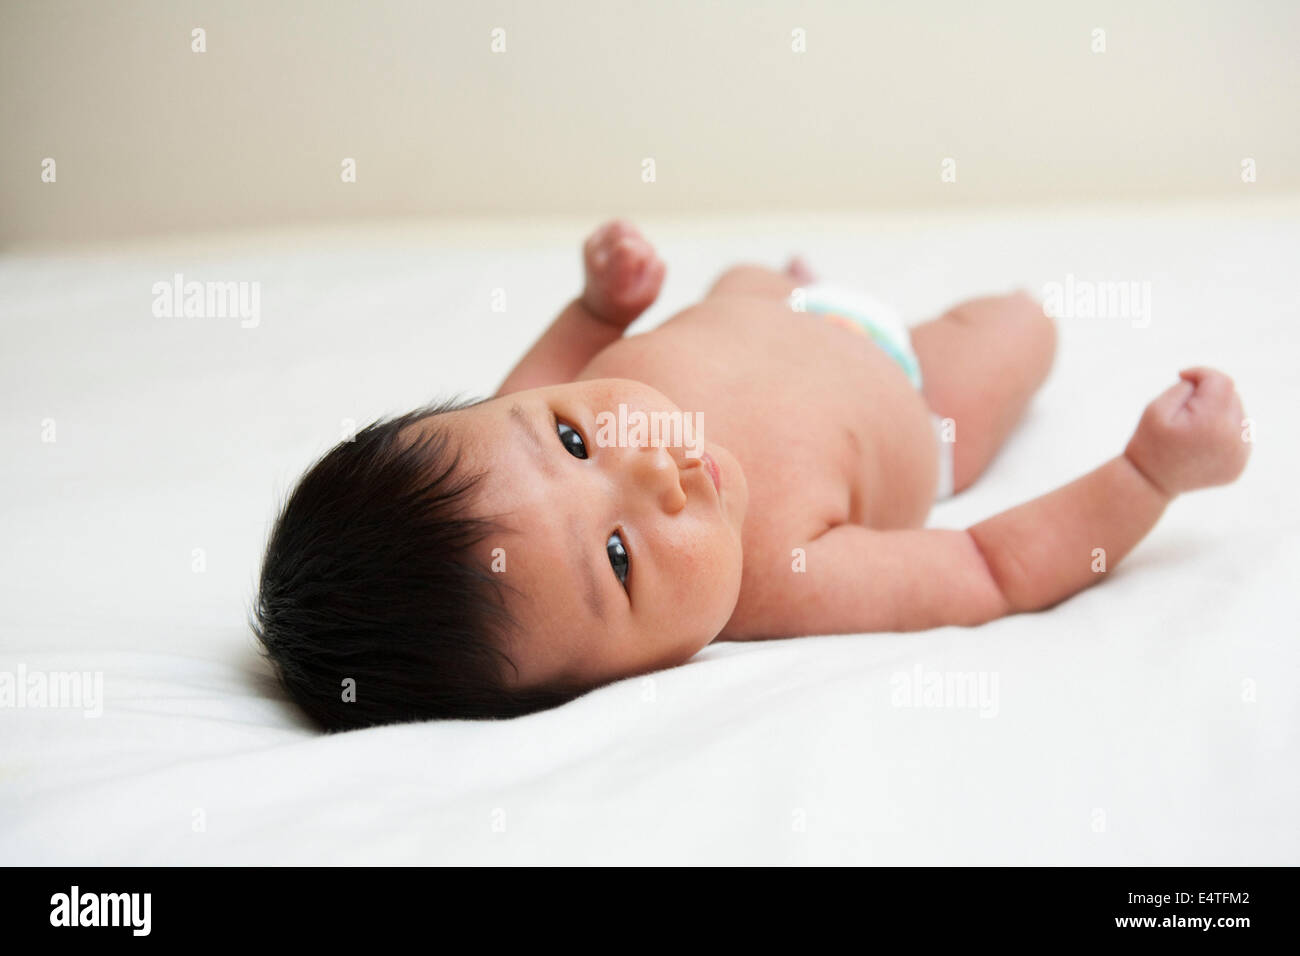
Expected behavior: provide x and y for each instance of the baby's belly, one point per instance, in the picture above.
(827, 426)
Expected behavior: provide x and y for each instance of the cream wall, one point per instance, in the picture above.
(150, 137)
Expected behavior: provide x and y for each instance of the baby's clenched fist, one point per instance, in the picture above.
(623, 273)
(1192, 435)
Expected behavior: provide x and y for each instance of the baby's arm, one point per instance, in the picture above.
(1031, 556)
(623, 280)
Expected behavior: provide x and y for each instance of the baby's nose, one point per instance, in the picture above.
(654, 470)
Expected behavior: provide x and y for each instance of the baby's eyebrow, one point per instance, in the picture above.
(591, 591)
(534, 440)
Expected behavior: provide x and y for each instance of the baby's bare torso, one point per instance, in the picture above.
(828, 428)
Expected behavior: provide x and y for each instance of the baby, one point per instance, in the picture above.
(493, 558)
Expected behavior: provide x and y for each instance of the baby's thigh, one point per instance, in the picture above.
(974, 346)
(754, 281)
(981, 362)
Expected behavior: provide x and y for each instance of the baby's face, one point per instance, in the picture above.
(625, 558)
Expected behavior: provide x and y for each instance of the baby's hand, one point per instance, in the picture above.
(1191, 436)
(623, 273)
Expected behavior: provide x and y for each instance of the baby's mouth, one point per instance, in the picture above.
(712, 470)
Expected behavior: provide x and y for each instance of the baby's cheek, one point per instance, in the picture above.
(710, 577)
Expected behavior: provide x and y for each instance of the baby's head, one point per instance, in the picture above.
(500, 557)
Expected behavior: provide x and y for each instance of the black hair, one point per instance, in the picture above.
(369, 575)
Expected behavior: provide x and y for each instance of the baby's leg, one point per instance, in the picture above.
(762, 281)
(981, 362)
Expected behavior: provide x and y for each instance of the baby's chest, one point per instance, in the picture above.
(827, 427)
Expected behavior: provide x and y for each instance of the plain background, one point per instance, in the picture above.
(150, 137)
(1150, 720)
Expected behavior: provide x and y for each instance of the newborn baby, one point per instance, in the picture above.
(493, 558)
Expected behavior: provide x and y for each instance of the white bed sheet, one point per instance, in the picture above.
(1150, 720)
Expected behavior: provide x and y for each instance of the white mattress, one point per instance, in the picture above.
(1150, 720)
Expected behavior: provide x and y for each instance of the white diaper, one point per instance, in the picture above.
(864, 314)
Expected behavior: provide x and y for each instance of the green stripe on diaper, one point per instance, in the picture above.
(887, 342)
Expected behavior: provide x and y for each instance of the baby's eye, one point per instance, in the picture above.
(617, 552)
(571, 440)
